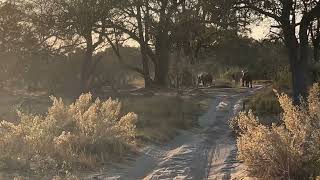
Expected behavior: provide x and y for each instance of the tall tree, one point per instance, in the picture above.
(286, 13)
(161, 26)
(149, 23)
(75, 24)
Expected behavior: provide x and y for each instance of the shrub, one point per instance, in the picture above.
(282, 79)
(265, 103)
(287, 151)
(78, 135)
(227, 74)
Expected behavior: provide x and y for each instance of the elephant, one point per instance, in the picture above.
(205, 79)
(246, 79)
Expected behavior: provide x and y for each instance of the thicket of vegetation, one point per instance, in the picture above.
(81, 135)
(81, 44)
(287, 151)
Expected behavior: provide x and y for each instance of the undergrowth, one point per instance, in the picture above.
(81, 135)
(290, 150)
(160, 117)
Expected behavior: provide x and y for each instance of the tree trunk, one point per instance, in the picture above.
(162, 47)
(84, 76)
(143, 49)
(299, 78)
(304, 57)
(86, 67)
(298, 64)
(316, 47)
(163, 55)
(146, 71)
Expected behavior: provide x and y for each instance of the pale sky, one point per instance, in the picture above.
(260, 30)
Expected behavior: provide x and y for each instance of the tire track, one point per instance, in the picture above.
(205, 153)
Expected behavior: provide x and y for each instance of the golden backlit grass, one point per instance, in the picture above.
(287, 151)
(79, 135)
(161, 116)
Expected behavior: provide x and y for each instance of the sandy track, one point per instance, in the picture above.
(208, 152)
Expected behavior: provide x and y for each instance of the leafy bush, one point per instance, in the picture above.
(287, 151)
(78, 135)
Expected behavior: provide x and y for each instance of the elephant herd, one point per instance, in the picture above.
(244, 77)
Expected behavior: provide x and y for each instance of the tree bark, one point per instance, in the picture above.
(87, 65)
(297, 63)
(163, 55)
(143, 49)
(316, 40)
(85, 76)
(162, 46)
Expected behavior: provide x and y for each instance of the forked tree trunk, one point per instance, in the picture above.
(298, 60)
(292, 48)
(143, 49)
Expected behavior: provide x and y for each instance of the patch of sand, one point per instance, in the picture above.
(208, 152)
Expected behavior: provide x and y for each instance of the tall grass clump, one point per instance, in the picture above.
(79, 135)
(282, 79)
(287, 151)
(265, 103)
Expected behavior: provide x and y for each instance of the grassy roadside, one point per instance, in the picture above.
(286, 150)
(264, 104)
(160, 116)
(81, 135)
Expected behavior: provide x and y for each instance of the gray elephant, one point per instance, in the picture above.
(246, 79)
(205, 79)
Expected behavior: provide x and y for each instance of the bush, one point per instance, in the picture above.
(282, 79)
(227, 74)
(287, 151)
(68, 136)
(265, 103)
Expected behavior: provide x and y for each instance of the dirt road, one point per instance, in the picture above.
(208, 152)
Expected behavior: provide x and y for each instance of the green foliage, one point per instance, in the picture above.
(262, 58)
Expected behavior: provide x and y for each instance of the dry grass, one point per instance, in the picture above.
(160, 116)
(89, 133)
(265, 103)
(80, 135)
(286, 151)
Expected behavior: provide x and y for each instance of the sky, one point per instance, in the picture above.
(260, 30)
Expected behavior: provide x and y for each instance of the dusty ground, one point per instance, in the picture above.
(208, 152)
